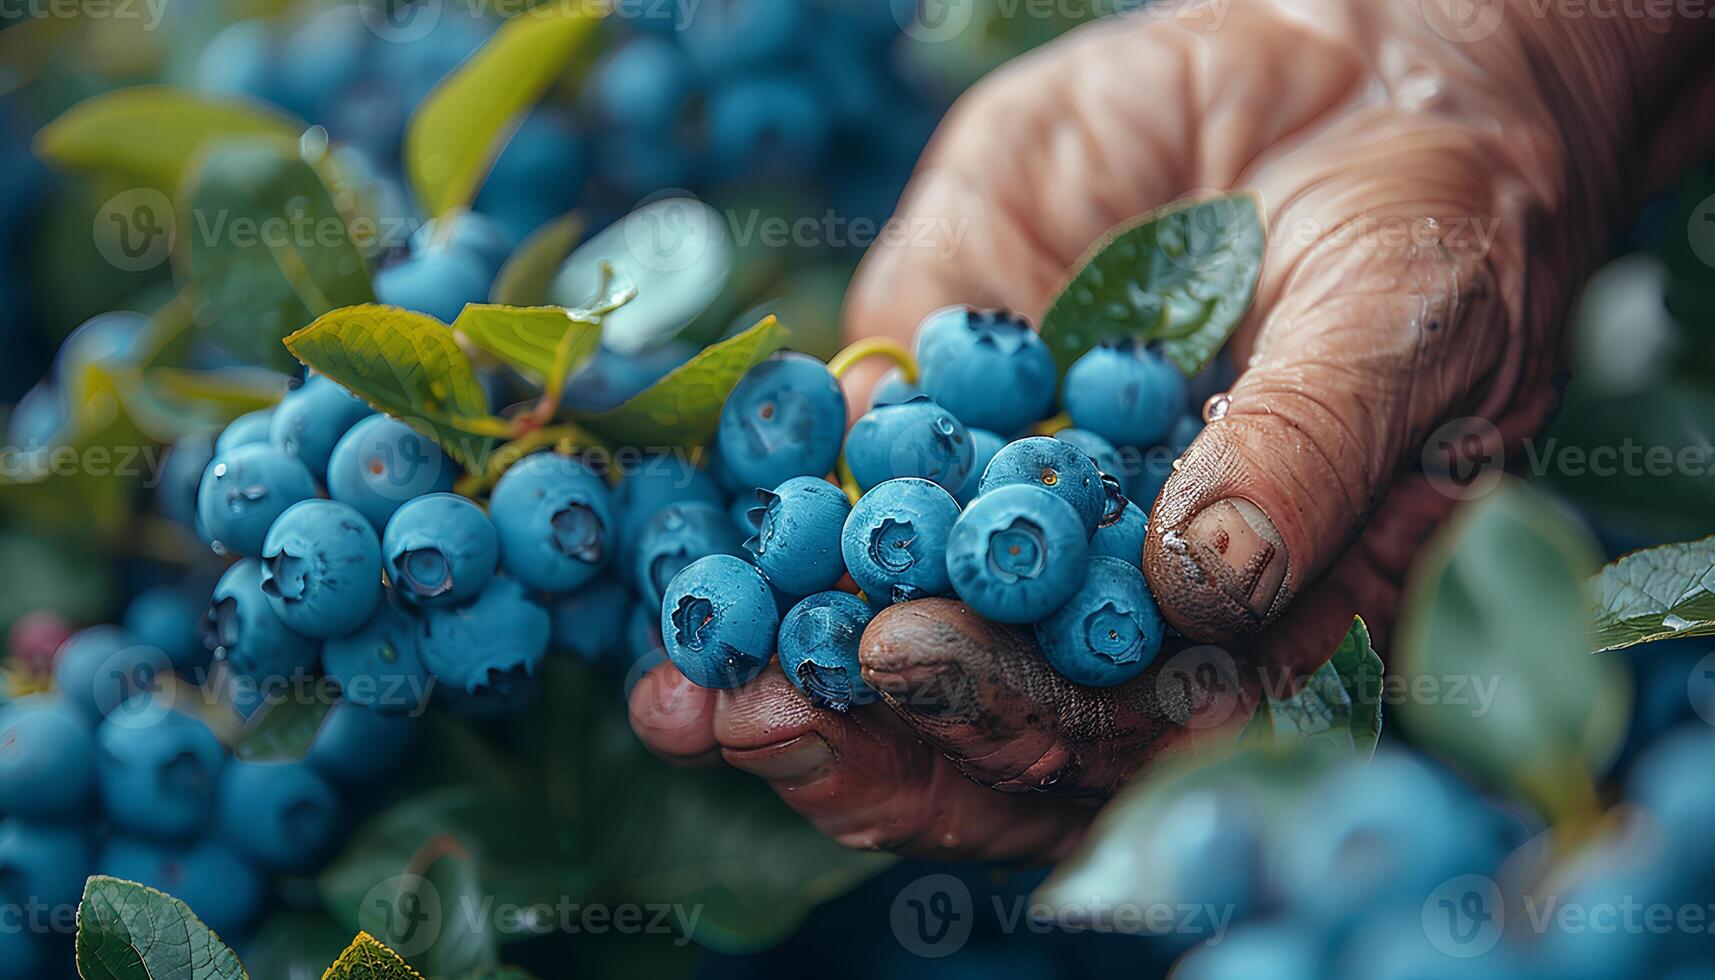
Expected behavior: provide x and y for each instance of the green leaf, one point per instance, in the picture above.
(455, 135)
(269, 252)
(407, 365)
(1494, 646)
(367, 959)
(529, 272)
(153, 132)
(683, 408)
(282, 731)
(1184, 275)
(1656, 594)
(1340, 703)
(127, 931)
(1361, 673)
(541, 342)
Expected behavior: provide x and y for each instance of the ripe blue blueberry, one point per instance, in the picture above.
(489, 648)
(988, 367)
(248, 429)
(98, 668)
(159, 768)
(1017, 553)
(719, 621)
(916, 438)
(242, 629)
(356, 745)
(650, 485)
(1123, 539)
(895, 541)
(590, 623)
(321, 569)
(281, 815)
(1125, 392)
(774, 123)
(555, 522)
(243, 491)
(538, 176)
(1059, 467)
(168, 618)
(797, 541)
(676, 536)
(893, 389)
(379, 666)
(470, 232)
(819, 649)
(439, 282)
(42, 864)
(380, 463)
(984, 445)
(440, 550)
(646, 83)
(1101, 451)
(784, 419)
(609, 379)
(181, 475)
(310, 420)
(47, 768)
(740, 34)
(1107, 632)
(223, 889)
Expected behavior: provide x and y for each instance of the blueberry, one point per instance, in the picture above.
(1123, 539)
(676, 536)
(248, 429)
(1108, 631)
(785, 418)
(651, 485)
(645, 84)
(984, 446)
(242, 493)
(356, 745)
(181, 475)
(1125, 392)
(1277, 950)
(242, 629)
(1063, 469)
(1672, 780)
(239, 60)
(468, 232)
(915, 438)
(281, 815)
(719, 621)
(610, 379)
(736, 35)
(168, 618)
(1017, 553)
(321, 569)
(895, 541)
(539, 174)
(98, 668)
(766, 124)
(1100, 451)
(42, 864)
(819, 649)
(489, 648)
(438, 282)
(555, 522)
(159, 768)
(47, 766)
(797, 542)
(223, 889)
(440, 550)
(379, 666)
(590, 623)
(310, 420)
(988, 367)
(380, 463)
(893, 389)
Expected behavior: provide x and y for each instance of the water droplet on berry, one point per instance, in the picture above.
(1216, 408)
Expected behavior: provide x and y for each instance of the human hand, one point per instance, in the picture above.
(1433, 198)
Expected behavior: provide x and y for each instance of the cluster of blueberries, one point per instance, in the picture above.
(953, 497)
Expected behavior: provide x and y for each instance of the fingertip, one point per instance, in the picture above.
(673, 717)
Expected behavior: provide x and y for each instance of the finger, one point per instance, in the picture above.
(674, 718)
(986, 697)
(868, 782)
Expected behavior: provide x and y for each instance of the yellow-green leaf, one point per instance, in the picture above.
(683, 408)
(457, 132)
(367, 959)
(152, 132)
(407, 365)
(542, 342)
(529, 272)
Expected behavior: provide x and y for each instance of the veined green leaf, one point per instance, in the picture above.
(542, 342)
(1656, 594)
(367, 959)
(1339, 703)
(126, 931)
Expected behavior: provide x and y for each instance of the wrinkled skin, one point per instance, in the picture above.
(1357, 123)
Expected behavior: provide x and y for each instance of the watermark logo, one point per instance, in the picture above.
(934, 21)
(671, 235)
(1198, 687)
(1464, 916)
(932, 917)
(400, 21)
(405, 911)
(1465, 458)
(400, 464)
(1700, 689)
(1702, 231)
(133, 230)
(1464, 21)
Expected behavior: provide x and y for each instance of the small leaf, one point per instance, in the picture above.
(127, 931)
(683, 408)
(407, 365)
(153, 132)
(282, 731)
(1656, 594)
(269, 251)
(1184, 275)
(1361, 673)
(367, 959)
(455, 135)
(1340, 703)
(541, 342)
(529, 272)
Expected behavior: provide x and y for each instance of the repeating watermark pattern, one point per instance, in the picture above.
(37, 461)
(942, 21)
(1199, 688)
(932, 917)
(149, 12)
(410, 914)
(1701, 231)
(1465, 916)
(1470, 21)
(1464, 21)
(1465, 459)
(134, 229)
